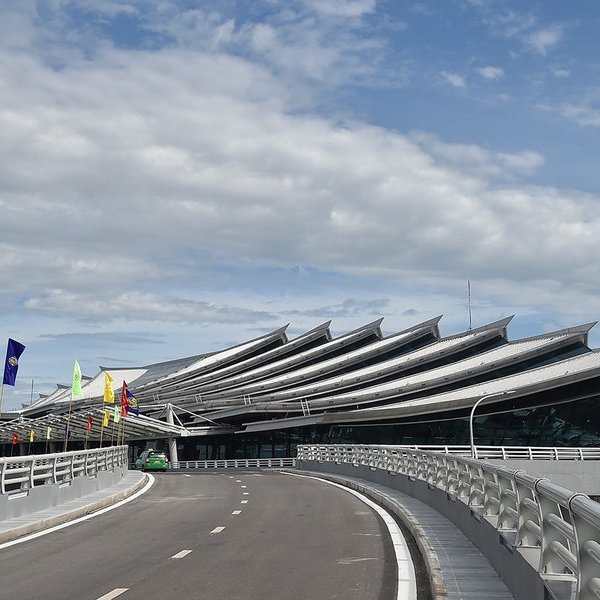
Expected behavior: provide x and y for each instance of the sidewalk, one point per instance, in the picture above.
(34, 522)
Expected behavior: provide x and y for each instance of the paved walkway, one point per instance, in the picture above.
(12, 529)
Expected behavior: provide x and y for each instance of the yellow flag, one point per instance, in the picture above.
(105, 418)
(31, 435)
(109, 393)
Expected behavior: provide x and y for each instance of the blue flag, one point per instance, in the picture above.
(13, 352)
(132, 403)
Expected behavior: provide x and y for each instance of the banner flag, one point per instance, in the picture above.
(116, 414)
(76, 390)
(48, 432)
(11, 364)
(89, 423)
(132, 403)
(109, 393)
(31, 435)
(105, 418)
(14, 438)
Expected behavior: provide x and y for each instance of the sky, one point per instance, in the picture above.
(180, 176)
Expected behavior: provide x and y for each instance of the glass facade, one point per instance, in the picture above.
(572, 423)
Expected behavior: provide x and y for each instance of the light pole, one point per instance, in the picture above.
(486, 397)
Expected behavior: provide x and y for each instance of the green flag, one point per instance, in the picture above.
(116, 414)
(76, 390)
(48, 431)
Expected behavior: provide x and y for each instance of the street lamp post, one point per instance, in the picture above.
(486, 397)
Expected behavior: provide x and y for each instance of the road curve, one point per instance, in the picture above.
(215, 536)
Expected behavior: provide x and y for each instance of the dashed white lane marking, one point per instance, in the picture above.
(243, 486)
(236, 512)
(181, 554)
(238, 481)
(244, 502)
(186, 475)
(217, 530)
(148, 485)
(116, 592)
(406, 588)
(245, 493)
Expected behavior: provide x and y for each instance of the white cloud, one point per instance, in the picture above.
(176, 190)
(492, 73)
(582, 114)
(545, 39)
(342, 8)
(560, 73)
(141, 307)
(453, 79)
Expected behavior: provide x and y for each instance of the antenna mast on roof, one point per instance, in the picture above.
(469, 295)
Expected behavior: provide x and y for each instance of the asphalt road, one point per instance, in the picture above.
(213, 536)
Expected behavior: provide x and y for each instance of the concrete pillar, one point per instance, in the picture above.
(173, 456)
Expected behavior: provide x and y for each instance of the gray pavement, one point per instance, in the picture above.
(15, 528)
(230, 536)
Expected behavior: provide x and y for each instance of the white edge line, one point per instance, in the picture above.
(33, 536)
(406, 582)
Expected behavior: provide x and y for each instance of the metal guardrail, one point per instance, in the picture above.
(234, 463)
(557, 530)
(21, 473)
(491, 452)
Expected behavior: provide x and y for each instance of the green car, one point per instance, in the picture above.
(151, 460)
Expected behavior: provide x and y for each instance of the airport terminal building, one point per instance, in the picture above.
(263, 397)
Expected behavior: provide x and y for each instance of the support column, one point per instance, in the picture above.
(173, 456)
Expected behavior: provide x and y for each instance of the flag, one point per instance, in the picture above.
(67, 431)
(105, 418)
(116, 414)
(13, 352)
(76, 390)
(124, 400)
(109, 393)
(31, 435)
(89, 423)
(48, 432)
(14, 438)
(132, 403)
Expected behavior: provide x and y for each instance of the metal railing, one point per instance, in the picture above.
(234, 463)
(21, 473)
(556, 529)
(481, 452)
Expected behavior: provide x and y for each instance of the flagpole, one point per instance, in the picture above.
(112, 438)
(68, 422)
(1, 398)
(102, 427)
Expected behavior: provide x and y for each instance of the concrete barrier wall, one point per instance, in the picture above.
(518, 574)
(51, 495)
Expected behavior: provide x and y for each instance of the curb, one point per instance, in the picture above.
(37, 526)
